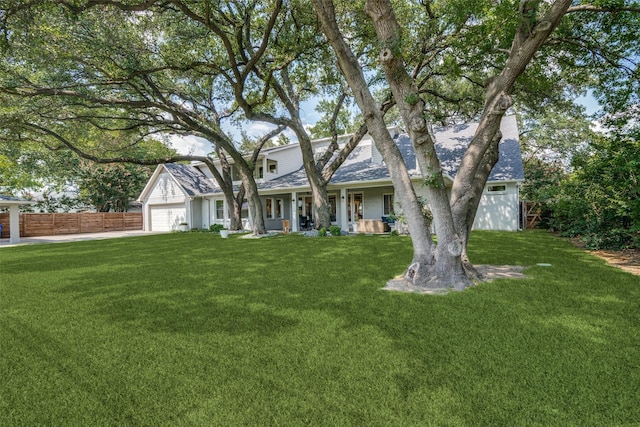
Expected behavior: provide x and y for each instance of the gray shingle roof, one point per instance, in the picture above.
(451, 143)
(192, 180)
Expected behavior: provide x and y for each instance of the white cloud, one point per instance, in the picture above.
(190, 145)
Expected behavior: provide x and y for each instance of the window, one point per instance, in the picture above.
(387, 207)
(332, 208)
(496, 189)
(269, 205)
(272, 166)
(244, 210)
(219, 209)
(275, 208)
(235, 173)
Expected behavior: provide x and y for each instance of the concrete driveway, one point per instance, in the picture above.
(4, 243)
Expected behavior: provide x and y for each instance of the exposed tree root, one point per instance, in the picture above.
(487, 273)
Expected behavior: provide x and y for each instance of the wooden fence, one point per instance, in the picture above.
(50, 224)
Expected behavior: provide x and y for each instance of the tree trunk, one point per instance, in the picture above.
(320, 210)
(482, 152)
(225, 181)
(464, 213)
(448, 270)
(321, 213)
(422, 270)
(255, 205)
(236, 210)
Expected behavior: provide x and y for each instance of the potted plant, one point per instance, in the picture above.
(183, 226)
(224, 233)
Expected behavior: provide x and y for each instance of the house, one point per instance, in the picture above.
(360, 189)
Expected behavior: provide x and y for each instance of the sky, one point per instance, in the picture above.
(589, 102)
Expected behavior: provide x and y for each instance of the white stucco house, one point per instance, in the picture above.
(360, 189)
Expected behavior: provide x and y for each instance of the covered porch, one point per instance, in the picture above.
(353, 209)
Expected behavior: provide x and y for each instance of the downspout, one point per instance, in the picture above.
(191, 212)
(522, 215)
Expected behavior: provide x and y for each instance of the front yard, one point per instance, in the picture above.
(192, 329)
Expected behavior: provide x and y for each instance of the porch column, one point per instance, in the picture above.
(225, 213)
(250, 219)
(146, 216)
(344, 223)
(14, 224)
(295, 226)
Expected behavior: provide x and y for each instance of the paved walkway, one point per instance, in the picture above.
(75, 237)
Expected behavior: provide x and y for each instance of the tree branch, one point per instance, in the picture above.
(83, 154)
(600, 9)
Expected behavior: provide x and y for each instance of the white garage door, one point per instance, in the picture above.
(167, 217)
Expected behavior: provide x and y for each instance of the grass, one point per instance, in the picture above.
(191, 329)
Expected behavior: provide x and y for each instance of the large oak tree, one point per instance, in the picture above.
(475, 56)
(184, 67)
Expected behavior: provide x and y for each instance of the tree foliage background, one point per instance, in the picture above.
(598, 201)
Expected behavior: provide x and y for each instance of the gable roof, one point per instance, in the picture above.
(451, 143)
(191, 179)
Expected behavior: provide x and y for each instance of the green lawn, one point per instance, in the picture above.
(191, 329)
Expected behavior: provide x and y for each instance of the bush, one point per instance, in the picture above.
(322, 232)
(335, 230)
(216, 227)
(598, 202)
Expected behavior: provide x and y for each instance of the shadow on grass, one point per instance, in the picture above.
(539, 349)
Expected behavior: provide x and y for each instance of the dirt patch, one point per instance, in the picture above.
(489, 272)
(627, 259)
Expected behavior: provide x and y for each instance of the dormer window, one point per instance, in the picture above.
(272, 166)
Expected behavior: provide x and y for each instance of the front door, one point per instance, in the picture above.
(305, 206)
(355, 207)
(305, 211)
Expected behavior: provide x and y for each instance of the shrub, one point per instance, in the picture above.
(335, 230)
(322, 232)
(598, 202)
(216, 227)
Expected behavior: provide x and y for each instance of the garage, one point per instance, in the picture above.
(167, 217)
